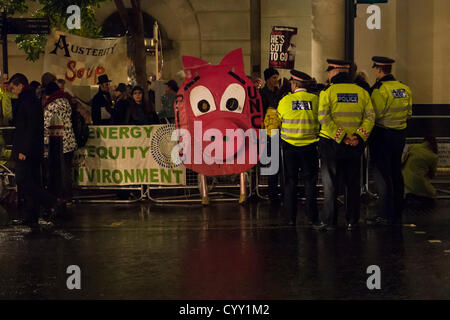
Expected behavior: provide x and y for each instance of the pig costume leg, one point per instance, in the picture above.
(203, 189)
(243, 189)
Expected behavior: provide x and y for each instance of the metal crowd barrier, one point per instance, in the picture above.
(220, 188)
(191, 189)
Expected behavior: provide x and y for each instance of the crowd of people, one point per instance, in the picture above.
(332, 122)
(32, 106)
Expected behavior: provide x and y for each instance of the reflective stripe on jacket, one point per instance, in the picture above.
(392, 103)
(299, 123)
(345, 108)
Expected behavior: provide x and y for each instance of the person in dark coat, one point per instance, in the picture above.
(121, 105)
(140, 111)
(270, 96)
(102, 102)
(28, 150)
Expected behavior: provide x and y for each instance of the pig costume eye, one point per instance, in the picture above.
(202, 101)
(233, 98)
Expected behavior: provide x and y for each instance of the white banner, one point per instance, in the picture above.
(81, 60)
(129, 155)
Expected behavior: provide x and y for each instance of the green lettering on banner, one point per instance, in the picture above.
(91, 133)
(141, 175)
(136, 132)
(129, 176)
(124, 152)
(113, 133)
(148, 131)
(106, 175)
(91, 151)
(80, 174)
(132, 149)
(111, 152)
(177, 174)
(144, 150)
(102, 152)
(123, 132)
(166, 176)
(154, 175)
(117, 180)
(102, 132)
(98, 175)
(90, 176)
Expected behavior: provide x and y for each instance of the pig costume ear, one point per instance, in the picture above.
(235, 60)
(191, 64)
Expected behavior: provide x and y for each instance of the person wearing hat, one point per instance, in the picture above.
(167, 100)
(346, 116)
(392, 103)
(298, 112)
(101, 105)
(121, 105)
(270, 97)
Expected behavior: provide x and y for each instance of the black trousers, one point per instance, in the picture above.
(386, 148)
(340, 161)
(306, 159)
(29, 180)
(67, 172)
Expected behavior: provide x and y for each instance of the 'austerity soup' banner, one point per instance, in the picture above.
(128, 155)
(81, 60)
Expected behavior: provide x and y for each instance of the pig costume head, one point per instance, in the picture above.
(215, 108)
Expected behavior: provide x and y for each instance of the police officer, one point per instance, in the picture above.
(298, 112)
(346, 116)
(393, 106)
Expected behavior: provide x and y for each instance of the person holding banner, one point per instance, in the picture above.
(102, 102)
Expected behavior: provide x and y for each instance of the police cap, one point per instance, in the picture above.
(299, 76)
(338, 64)
(382, 61)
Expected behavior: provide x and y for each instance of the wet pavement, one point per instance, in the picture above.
(225, 251)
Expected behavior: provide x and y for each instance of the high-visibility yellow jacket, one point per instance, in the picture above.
(345, 108)
(271, 121)
(392, 103)
(298, 113)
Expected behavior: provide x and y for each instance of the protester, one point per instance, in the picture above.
(57, 104)
(140, 111)
(46, 78)
(28, 147)
(61, 84)
(36, 86)
(167, 100)
(419, 167)
(270, 96)
(101, 106)
(121, 105)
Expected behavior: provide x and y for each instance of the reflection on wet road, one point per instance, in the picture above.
(225, 251)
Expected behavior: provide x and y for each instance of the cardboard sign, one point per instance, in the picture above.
(282, 47)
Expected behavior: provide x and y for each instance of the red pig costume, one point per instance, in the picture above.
(217, 97)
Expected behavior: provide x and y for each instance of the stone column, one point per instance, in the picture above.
(328, 35)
